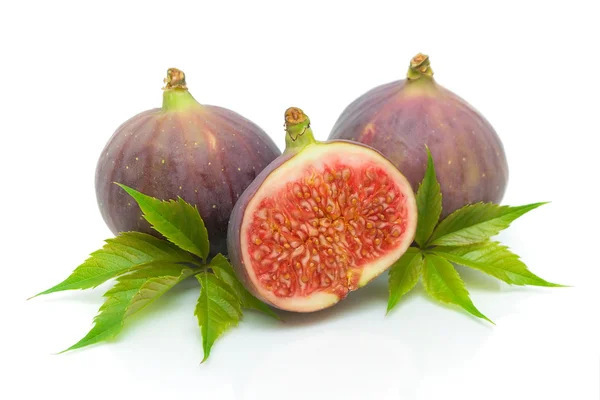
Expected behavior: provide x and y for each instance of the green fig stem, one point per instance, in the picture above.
(176, 96)
(419, 68)
(298, 131)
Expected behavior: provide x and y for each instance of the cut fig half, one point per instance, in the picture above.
(320, 221)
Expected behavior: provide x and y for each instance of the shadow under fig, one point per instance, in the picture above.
(373, 294)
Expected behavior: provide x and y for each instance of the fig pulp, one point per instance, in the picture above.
(323, 219)
(401, 117)
(206, 155)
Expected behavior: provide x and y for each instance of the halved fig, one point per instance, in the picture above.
(320, 221)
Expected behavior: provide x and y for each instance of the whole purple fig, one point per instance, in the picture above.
(205, 154)
(401, 117)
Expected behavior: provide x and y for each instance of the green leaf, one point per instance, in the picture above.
(177, 220)
(218, 309)
(443, 283)
(494, 259)
(131, 293)
(429, 203)
(404, 275)
(476, 223)
(118, 255)
(224, 271)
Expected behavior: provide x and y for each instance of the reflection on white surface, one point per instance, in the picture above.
(333, 365)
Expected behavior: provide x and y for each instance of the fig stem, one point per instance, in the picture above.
(176, 96)
(175, 80)
(298, 131)
(419, 68)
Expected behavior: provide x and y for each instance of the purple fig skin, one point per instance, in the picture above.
(207, 155)
(234, 244)
(402, 117)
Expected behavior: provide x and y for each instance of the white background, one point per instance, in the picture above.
(73, 71)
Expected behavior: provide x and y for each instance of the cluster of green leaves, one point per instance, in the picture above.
(146, 267)
(462, 238)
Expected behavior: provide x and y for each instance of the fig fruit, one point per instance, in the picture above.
(323, 219)
(205, 154)
(401, 117)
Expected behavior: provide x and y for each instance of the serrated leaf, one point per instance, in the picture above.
(118, 255)
(160, 278)
(404, 275)
(429, 203)
(217, 310)
(494, 259)
(476, 223)
(224, 271)
(131, 293)
(178, 221)
(443, 283)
